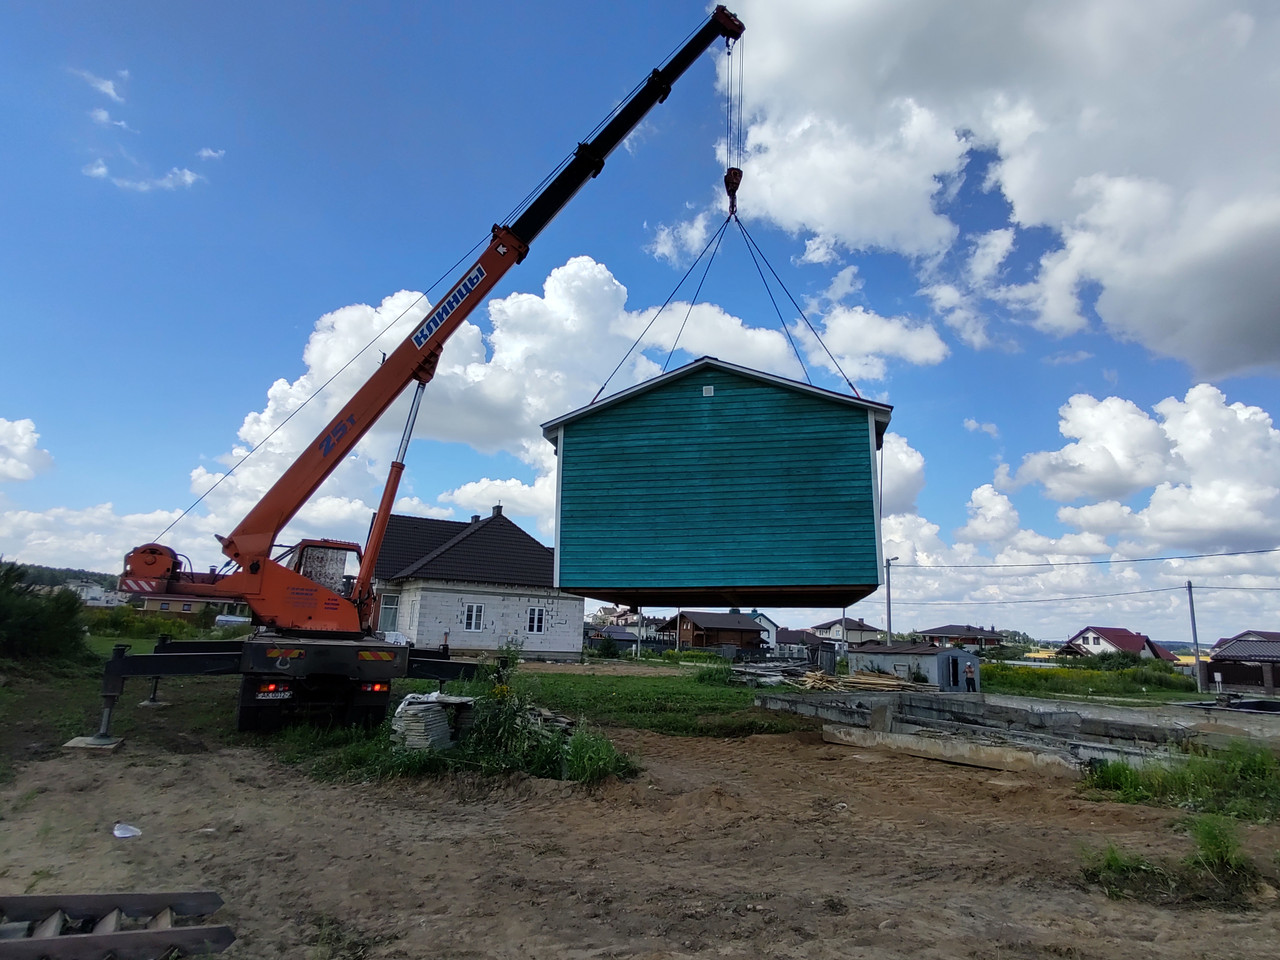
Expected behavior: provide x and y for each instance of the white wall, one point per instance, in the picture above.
(429, 609)
(898, 664)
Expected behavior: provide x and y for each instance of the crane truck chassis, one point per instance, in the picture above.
(315, 652)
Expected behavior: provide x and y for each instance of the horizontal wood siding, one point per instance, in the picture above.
(756, 485)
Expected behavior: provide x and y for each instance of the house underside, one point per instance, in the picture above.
(824, 595)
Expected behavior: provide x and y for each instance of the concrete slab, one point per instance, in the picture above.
(94, 745)
(954, 750)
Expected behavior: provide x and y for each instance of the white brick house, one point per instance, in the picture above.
(477, 586)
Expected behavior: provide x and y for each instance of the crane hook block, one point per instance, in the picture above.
(732, 179)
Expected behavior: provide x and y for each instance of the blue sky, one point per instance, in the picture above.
(1047, 235)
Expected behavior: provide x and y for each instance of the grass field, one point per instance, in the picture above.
(1149, 684)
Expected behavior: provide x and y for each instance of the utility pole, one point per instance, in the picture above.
(1195, 637)
(888, 605)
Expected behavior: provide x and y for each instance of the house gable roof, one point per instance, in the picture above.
(789, 637)
(1126, 640)
(959, 630)
(880, 411)
(1268, 636)
(849, 624)
(491, 550)
(717, 621)
(1257, 651)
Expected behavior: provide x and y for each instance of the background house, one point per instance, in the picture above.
(477, 586)
(177, 607)
(1245, 663)
(94, 594)
(695, 629)
(771, 627)
(1092, 641)
(798, 643)
(729, 490)
(847, 630)
(964, 635)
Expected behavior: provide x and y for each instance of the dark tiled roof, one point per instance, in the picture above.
(960, 630)
(492, 550)
(1261, 651)
(723, 621)
(891, 648)
(792, 637)
(1270, 636)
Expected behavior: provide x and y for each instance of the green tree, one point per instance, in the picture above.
(36, 625)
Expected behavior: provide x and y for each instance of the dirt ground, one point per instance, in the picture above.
(768, 847)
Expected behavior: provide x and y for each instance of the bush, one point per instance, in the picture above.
(607, 647)
(1217, 873)
(128, 623)
(720, 674)
(590, 758)
(692, 656)
(38, 626)
(1242, 781)
(505, 737)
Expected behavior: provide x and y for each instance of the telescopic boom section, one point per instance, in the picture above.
(262, 582)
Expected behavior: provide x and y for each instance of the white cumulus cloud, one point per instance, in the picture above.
(20, 455)
(1141, 138)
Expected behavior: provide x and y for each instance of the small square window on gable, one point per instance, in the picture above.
(708, 391)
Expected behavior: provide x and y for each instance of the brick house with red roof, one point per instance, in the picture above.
(1092, 641)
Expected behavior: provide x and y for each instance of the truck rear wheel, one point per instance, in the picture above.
(252, 715)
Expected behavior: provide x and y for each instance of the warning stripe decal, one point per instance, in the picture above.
(375, 655)
(286, 653)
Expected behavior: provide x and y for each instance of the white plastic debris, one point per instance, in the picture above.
(125, 830)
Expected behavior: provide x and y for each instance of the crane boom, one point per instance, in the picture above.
(285, 597)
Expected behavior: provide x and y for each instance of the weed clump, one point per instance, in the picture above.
(1242, 781)
(1217, 873)
(506, 736)
(1084, 682)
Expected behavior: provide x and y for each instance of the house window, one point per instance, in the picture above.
(389, 617)
(535, 619)
(474, 617)
(164, 604)
(186, 608)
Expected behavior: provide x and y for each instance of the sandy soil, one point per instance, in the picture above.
(769, 847)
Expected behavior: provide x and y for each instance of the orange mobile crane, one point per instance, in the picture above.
(314, 646)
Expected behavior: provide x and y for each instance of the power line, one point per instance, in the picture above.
(1209, 586)
(1076, 563)
(977, 603)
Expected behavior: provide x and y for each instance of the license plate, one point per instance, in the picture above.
(275, 695)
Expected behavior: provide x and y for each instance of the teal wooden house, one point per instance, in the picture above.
(718, 485)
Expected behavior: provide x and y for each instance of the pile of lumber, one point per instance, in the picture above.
(861, 680)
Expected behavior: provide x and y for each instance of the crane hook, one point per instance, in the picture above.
(732, 179)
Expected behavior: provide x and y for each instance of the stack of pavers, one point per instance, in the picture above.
(431, 721)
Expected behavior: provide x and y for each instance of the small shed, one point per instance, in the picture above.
(943, 666)
(719, 485)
